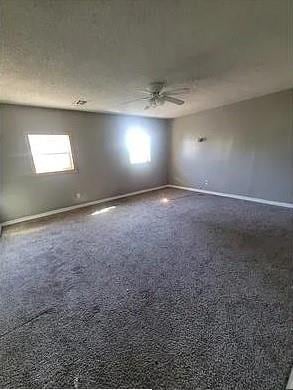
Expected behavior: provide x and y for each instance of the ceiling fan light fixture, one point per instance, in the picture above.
(156, 95)
(160, 100)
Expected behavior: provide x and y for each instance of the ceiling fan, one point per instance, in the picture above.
(157, 95)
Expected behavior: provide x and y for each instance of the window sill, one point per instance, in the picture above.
(66, 171)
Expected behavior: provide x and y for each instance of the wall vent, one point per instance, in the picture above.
(80, 102)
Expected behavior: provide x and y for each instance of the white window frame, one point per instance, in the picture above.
(62, 171)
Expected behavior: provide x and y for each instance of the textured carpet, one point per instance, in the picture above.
(195, 293)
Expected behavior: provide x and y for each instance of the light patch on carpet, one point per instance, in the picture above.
(104, 210)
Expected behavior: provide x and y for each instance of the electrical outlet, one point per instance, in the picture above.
(206, 182)
(77, 195)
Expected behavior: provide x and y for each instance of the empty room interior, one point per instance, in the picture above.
(146, 194)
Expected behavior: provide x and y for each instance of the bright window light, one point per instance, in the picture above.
(51, 152)
(138, 145)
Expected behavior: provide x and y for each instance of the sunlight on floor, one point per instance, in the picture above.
(104, 210)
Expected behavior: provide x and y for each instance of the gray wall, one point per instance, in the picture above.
(1, 171)
(100, 155)
(249, 149)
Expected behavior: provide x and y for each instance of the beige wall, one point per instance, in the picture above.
(100, 154)
(249, 149)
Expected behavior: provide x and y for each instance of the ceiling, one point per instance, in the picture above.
(55, 52)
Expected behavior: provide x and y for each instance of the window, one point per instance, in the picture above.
(139, 146)
(51, 153)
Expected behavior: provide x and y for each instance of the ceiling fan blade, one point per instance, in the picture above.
(177, 90)
(136, 100)
(173, 100)
(145, 91)
(178, 93)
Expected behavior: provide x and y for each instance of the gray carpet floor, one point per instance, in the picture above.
(195, 293)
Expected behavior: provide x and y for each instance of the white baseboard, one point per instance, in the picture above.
(290, 382)
(78, 206)
(81, 205)
(242, 197)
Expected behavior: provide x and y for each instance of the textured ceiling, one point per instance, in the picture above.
(55, 52)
